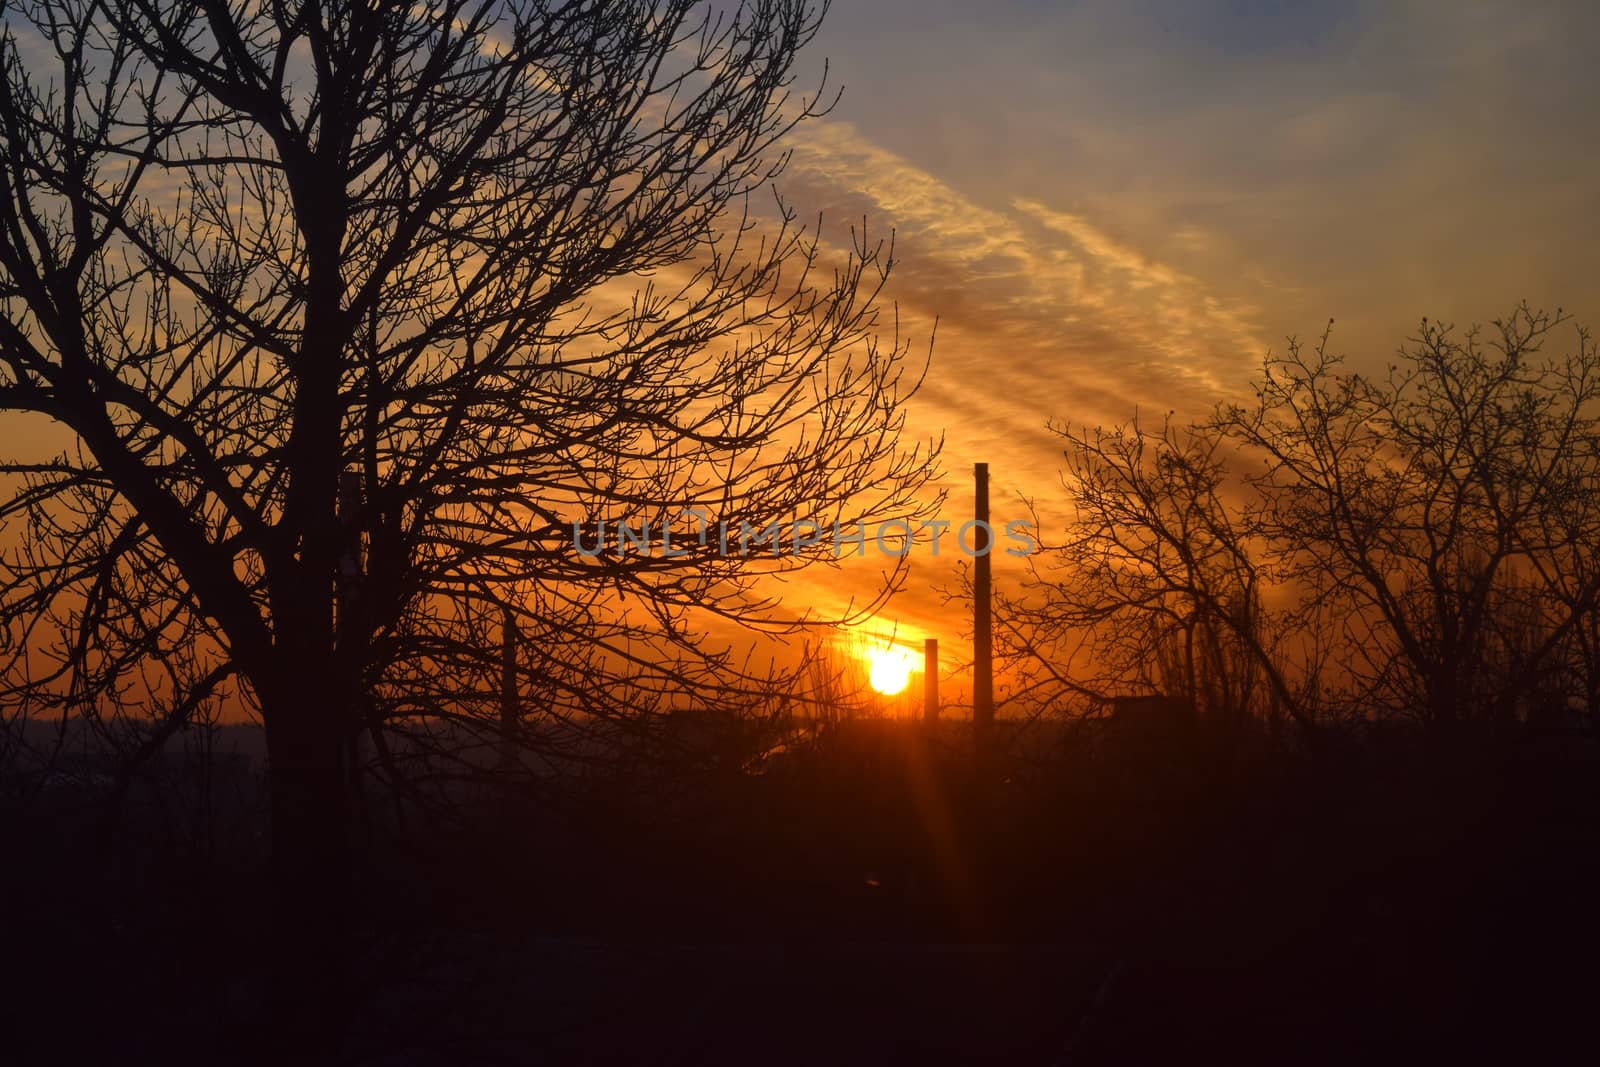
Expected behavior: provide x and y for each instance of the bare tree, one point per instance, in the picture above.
(1436, 506)
(1416, 545)
(350, 310)
(1157, 586)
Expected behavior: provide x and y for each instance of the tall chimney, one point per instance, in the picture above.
(982, 635)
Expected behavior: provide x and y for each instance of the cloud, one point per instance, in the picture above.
(1042, 314)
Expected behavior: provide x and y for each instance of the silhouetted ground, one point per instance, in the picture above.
(875, 900)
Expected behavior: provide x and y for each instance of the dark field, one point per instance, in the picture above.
(873, 898)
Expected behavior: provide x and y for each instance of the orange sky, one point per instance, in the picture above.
(1114, 205)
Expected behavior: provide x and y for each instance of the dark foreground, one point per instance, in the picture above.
(875, 900)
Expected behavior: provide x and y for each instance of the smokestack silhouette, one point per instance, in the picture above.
(982, 637)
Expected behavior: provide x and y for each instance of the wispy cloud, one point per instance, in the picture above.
(1042, 314)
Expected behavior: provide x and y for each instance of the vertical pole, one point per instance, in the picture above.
(930, 680)
(982, 634)
(508, 687)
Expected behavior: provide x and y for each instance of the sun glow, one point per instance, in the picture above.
(889, 669)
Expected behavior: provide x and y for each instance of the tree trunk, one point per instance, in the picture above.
(1444, 712)
(310, 875)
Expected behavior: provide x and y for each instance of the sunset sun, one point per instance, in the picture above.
(889, 669)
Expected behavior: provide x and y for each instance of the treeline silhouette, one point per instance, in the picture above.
(1346, 550)
(869, 894)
